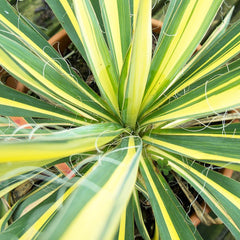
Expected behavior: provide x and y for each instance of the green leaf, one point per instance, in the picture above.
(28, 225)
(50, 185)
(171, 222)
(64, 11)
(108, 184)
(44, 80)
(228, 67)
(59, 144)
(97, 52)
(218, 95)
(9, 185)
(220, 193)
(117, 22)
(184, 26)
(206, 145)
(139, 217)
(26, 41)
(210, 57)
(138, 60)
(126, 227)
(14, 103)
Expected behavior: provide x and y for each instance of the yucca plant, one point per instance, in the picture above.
(169, 111)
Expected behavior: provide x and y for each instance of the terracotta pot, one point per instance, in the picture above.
(60, 41)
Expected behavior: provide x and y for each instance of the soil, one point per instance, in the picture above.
(80, 66)
(45, 16)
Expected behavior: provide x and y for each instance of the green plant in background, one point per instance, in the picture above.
(115, 142)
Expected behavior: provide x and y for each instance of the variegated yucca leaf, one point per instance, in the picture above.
(60, 144)
(112, 192)
(80, 164)
(219, 192)
(170, 220)
(212, 97)
(99, 58)
(134, 80)
(126, 226)
(48, 58)
(200, 144)
(185, 24)
(139, 217)
(221, 47)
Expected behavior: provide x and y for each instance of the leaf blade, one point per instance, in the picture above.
(200, 144)
(220, 193)
(115, 178)
(97, 52)
(185, 24)
(138, 64)
(217, 95)
(60, 144)
(165, 211)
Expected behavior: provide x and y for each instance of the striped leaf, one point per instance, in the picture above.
(50, 185)
(211, 56)
(29, 224)
(18, 127)
(10, 170)
(60, 144)
(28, 40)
(9, 185)
(218, 95)
(117, 22)
(97, 52)
(108, 184)
(170, 220)
(212, 146)
(134, 77)
(134, 10)
(64, 11)
(126, 227)
(14, 103)
(184, 26)
(139, 217)
(156, 158)
(220, 193)
(42, 79)
(9, 129)
(219, 71)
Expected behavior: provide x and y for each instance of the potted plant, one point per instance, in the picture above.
(118, 144)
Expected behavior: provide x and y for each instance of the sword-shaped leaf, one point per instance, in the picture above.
(212, 146)
(108, 184)
(117, 22)
(59, 144)
(220, 193)
(218, 95)
(135, 70)
(208, 59)
(27, 39)
(184, 26)
(14, 103)
(171, 221)
(126, 226)
(97, 51)
(28, 225)
(139, 217)
(44, 80)
(27, 202)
